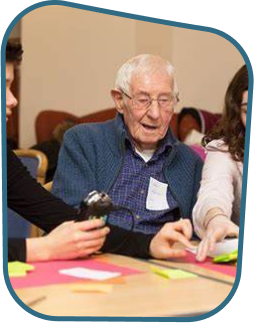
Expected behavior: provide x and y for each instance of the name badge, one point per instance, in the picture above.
(157, 196)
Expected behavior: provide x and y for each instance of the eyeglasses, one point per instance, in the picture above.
(144, 101)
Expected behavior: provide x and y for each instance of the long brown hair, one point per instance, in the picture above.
(230, 127)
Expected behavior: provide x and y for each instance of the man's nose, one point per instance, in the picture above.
(11, 101)
(154, 109)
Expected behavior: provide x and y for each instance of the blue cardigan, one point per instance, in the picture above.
(92, 155)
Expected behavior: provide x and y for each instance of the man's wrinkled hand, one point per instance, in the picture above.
(161, 246)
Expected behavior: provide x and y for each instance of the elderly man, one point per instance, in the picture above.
(135, 158)
(69, 239)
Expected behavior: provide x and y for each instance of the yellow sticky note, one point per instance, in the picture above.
(173, 273)
(92, 288)
(230, 257)
(18, 269)
(18, 265)
(17, 274)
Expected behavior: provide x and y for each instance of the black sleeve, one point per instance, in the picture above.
(35, 204)
(128, 243)
(16, 249)
(30, 200)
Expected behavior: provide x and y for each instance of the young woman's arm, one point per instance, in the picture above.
(213, 210)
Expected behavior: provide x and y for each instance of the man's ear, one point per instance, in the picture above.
(117, 96)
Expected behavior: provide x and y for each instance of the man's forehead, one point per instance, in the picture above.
(146, 82)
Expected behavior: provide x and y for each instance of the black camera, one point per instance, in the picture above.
(95, 206)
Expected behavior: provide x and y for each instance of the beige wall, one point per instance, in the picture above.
(72, 55)
(154, 39)
(205, 63)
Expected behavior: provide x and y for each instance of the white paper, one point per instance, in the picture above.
(221, 248)
(81, 272)
(224, 247)
(157, 196)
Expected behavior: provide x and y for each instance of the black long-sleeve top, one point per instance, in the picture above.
(30, 200)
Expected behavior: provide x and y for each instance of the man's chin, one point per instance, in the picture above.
(148, 144)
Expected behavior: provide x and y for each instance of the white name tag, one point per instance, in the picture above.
(157, 196)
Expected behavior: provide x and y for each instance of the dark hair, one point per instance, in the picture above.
(14, 52)
(230, 128)
(189, 111)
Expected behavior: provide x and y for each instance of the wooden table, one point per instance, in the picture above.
(143, 295)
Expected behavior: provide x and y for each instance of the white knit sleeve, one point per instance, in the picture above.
(216, 189)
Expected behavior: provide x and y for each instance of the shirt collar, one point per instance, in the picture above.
(167, 142)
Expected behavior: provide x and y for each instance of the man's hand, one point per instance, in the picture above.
(161, 246)
(68, 241)
(218, 228)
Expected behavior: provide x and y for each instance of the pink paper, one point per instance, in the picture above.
(226, 269)
(47, 273)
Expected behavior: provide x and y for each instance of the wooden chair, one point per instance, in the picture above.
(36, 163)
(47, 120)
(48, 186)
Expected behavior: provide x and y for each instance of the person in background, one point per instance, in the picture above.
(193, 124)
(216, 214)
(51, 147)
(69, 239)
(135, 158)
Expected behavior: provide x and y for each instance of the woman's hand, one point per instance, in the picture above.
(68, 241)
(218, 229)
(161, 246)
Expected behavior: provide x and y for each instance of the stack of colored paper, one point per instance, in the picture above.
(173, 273)
(18, 269)
(230, 257)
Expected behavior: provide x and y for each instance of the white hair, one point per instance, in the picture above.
(143, 64)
